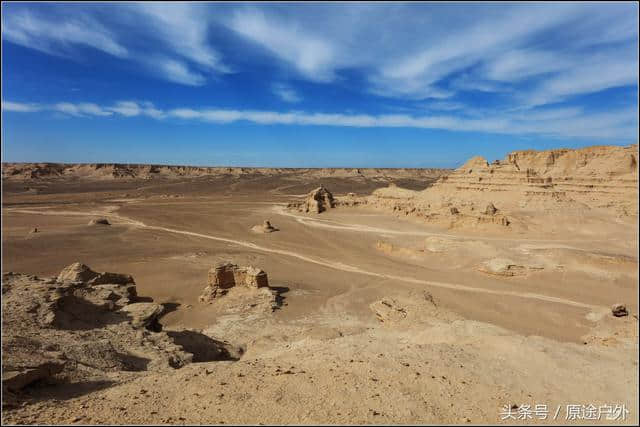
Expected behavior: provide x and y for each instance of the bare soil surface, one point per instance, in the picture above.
(381, 320)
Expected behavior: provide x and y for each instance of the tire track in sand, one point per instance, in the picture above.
(325, 223)
(318, 261)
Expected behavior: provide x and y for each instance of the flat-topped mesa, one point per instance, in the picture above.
(225, 275)
(317, 201)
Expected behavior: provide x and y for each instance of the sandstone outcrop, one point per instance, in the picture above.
(507, 193)
(81, 326)
(317, 201)
(225, 275)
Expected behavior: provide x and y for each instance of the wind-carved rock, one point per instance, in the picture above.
(317, 201)
(225, 275)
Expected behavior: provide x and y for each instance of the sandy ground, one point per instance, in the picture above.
(543, 336)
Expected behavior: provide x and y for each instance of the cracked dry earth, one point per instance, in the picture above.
(378, 319)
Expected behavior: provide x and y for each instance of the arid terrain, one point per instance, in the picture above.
(410, 296)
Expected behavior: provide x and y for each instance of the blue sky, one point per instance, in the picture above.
(314, 85)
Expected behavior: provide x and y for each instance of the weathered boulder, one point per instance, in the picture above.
(619, 310)
(144, 314)
(77, 272)
(226, 275)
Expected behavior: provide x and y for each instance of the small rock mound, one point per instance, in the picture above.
(619, 310)
(388, 310)
(491, 209)
(265, 227)
(34, 230)
(225, 275)
(317, 201)
(408, 309)
(99, 221)
(506, 267)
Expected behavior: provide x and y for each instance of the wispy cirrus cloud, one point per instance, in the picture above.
(554, 122)
(184, 29)
(529, 54)
(54, 36)
(286, 93)
(311, 55)
(171, 39)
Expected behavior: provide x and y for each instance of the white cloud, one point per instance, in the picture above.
(81, 109)
(132, 109)
(559, 122)
(403, 51)
(170, 42)
(311, 55)
(286, 93)
(184, 28)
(519, 64)
(596, 73)
(19, 107)
(126, 108)
(52, 35)
(178, 72)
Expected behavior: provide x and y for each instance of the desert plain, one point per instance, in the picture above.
(409, 296)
